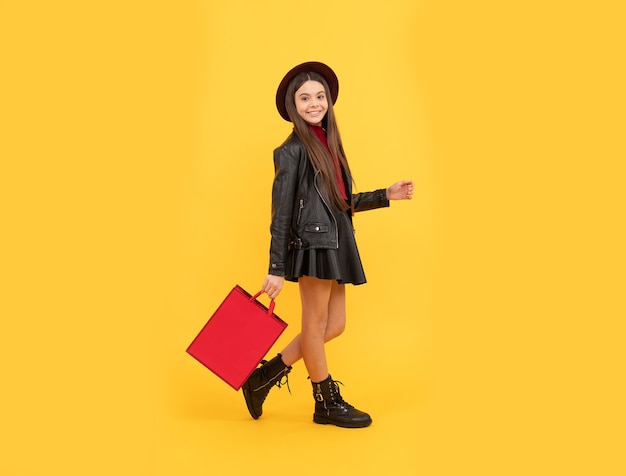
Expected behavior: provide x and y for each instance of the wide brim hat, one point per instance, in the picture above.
(311, 66)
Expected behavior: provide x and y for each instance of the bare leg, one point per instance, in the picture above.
(323, 314)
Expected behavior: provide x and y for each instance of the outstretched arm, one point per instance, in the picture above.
(402, 190)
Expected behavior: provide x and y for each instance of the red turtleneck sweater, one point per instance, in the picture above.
(321, 135)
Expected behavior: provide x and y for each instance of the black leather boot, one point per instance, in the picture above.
(331, 409)
(260, 383)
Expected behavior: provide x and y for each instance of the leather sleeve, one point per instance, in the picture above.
(286, 160)
(370, 200)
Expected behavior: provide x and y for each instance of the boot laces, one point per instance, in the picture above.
(337, 394)
(283, 380)
(280, 379)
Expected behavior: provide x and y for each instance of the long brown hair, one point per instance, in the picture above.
(318, 154)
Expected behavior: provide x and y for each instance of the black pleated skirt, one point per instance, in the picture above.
(342, 264)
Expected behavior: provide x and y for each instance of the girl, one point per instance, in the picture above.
(312, 239)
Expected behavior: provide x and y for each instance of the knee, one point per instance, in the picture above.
(314, 328)
(334, 330)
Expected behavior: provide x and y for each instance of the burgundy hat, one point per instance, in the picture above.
(312, 66)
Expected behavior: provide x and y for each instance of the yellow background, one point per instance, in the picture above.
(135, 147)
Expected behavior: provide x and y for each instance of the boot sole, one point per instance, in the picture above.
(322, 420)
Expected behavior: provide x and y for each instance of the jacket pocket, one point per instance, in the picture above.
(316, 228)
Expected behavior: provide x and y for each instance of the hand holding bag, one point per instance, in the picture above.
(237, 337)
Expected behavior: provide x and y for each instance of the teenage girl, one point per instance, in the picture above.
(312, 238)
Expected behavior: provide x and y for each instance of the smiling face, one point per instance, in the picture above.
(311, 102)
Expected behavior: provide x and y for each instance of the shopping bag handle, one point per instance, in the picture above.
(270, 309)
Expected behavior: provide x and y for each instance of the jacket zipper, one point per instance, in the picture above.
(300, 211)
(329, 210)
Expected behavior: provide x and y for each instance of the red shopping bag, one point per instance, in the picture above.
(237, 337)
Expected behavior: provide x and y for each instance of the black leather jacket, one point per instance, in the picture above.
(302, 213)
